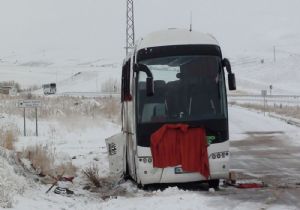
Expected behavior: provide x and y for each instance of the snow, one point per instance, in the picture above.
(253, 76)
(11, 183)
(78, 77)
(85, 140)
(256, 122)
(247, 32)
(176, 37)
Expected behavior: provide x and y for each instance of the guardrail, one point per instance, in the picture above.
(291, 100)
(89, 94)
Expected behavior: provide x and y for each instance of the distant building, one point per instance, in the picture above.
(8, 90)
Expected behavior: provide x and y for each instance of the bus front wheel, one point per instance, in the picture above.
(214, 183)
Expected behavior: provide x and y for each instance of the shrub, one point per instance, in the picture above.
(41, 158)
(7, 139)
(92, 174)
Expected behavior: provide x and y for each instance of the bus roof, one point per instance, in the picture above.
(176, 37)
(173, 36)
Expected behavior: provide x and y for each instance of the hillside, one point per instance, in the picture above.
(247, 32)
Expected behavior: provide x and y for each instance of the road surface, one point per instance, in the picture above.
(265, 149)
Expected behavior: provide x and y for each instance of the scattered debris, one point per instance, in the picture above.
(243, 181)
(63, 191)
(211, 190)
(250, 185)
(56, 180)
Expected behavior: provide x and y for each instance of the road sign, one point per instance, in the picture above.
(264, 93)
(29, 103)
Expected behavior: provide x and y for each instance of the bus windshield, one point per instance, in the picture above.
(186, 88)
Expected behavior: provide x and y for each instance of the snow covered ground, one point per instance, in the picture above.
(262, 147)
(85, 140)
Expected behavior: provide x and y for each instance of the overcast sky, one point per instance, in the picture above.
(96, 28)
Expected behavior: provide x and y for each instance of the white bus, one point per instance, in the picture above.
(174, 76)
(49, 88)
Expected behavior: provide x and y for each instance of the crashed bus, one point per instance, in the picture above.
(174, 111)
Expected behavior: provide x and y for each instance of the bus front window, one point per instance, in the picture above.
(186, 88)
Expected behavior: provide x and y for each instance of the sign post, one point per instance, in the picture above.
(264, 94)
(30, 104)
(24, 123)
(271, 87)
(36, 122)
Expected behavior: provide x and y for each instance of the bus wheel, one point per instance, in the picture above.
(214, 183)
(140, 186)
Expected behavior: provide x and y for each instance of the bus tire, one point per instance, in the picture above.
(214, 183)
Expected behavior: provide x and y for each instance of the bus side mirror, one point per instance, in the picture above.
(231, 76)
(149, 80)
(149, 86)
(231, 81)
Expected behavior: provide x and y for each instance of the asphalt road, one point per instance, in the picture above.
(267, 153)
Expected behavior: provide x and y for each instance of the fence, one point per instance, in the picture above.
(276, 100)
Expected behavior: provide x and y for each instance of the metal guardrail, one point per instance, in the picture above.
(293, 100)
(89, 94)
(243, 98)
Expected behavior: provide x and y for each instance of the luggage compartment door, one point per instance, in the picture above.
(116, 147)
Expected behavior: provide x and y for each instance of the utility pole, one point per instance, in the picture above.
(129, 26)
(191, 21)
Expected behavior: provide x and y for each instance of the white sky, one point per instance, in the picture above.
(96, 28)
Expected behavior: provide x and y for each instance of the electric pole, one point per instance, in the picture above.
(129, 26)
(191, 22)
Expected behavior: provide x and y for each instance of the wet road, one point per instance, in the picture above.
(270, 154)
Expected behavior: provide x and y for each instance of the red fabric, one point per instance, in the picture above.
(178, 144)
(67, 179)
(165, 146)
(194, 155)
(250, 185)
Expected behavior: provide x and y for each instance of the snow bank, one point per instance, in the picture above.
(10, 182)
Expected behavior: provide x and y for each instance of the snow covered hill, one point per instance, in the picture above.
(88, 76)
(247, 32)
(254, 72)
(257, 72)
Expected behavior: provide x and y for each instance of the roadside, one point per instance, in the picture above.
(263, 148)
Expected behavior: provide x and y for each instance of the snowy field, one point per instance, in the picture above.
(88, 76)
(80, 49)
(83, 138)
